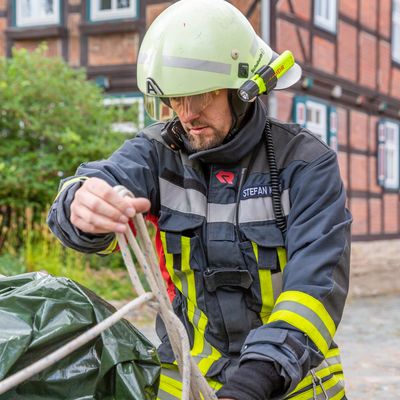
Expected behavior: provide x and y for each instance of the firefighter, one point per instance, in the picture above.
(252, 229)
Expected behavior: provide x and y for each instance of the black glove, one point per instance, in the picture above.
(253, 380)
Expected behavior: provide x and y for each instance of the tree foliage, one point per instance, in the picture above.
(52, 119)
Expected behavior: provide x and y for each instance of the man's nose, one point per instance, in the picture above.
(189, 114)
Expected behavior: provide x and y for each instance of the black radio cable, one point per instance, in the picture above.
(275, 185)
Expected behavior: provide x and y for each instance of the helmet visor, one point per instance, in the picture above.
(157, 109)
(162, 109)
(189, 105)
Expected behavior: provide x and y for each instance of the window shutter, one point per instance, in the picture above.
(333, 128)
(381, 161)
(300, 111)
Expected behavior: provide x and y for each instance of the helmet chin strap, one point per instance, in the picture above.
(240, 111)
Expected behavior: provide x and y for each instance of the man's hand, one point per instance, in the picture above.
(97, 208)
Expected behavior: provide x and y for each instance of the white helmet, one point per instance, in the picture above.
(196, 46)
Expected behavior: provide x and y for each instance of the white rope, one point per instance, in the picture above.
(194, 385)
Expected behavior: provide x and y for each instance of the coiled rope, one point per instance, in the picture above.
(194, 385)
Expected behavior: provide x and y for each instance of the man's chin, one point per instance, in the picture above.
(206, 141)
(201, 145)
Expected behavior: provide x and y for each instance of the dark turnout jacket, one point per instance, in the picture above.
(244, 291)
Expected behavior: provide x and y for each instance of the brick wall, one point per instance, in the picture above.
(301, 8)
(113, 49)
(74, 43)
(53, 46)
(287, 37)
(347, 62)
(358, 54)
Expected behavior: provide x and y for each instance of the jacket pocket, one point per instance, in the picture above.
(184, 255)
(264, 253)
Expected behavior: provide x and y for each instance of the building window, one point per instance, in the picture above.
(396, 31)
(129, 112)
(101, 10)
(388, 154)
(325, 14)
(37, 12)
(318, 117)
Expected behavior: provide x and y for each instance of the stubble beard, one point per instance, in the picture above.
(205, 142)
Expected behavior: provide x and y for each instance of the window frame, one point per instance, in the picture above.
(127, 99)
(95, 15)
(383, 160)
(327, 129)
(395, 39)
(24, 22)
(317, 128)
(328, 24)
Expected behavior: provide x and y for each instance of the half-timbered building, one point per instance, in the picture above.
(349, 94)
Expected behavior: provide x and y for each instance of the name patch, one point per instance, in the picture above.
(256, 191)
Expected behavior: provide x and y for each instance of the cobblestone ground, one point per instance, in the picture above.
(369, 337)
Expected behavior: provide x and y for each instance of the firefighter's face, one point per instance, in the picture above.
(206, 118)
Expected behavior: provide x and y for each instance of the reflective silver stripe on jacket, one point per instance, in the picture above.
(192, 201)
(176, 198)
(261, 208)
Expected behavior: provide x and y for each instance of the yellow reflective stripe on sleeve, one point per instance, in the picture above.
(338, 396)
(322, 373)
(70, 182)
(282, 257)
(331, 365)
(334, 387)
(303, 325)
(313, 304)
(266, 289)
(333, 353)
(336, 368)
(308, 315)
(110, 248)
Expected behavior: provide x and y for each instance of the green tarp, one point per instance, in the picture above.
(39, 313)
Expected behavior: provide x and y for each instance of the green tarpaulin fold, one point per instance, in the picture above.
(39, 313)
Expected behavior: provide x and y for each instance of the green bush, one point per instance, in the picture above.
(52, 119)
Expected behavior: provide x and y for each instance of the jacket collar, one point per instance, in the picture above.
(241, 144)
